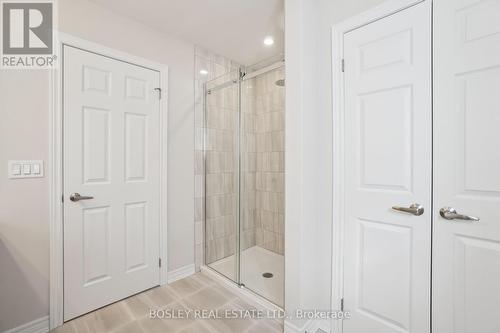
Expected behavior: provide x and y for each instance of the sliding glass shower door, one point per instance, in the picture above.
(222, 164)
(244, 180)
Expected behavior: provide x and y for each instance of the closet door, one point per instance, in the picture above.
(387, 251)
(111, 177)
(466, 248)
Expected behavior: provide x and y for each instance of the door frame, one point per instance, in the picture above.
(338, 213)
(55, 175)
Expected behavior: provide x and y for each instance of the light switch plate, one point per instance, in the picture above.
(15, 169)
(35, 169)
(18, 169)
(26, 169)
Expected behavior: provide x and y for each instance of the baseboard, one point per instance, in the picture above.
(311, 326)
(180, 273)
(40, 325)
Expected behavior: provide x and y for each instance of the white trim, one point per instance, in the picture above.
(56, 172)
(249, 296)
(181, 273)
(163, 173)
(56, 280)
(388, 8)
(379, 12)
(40, 325)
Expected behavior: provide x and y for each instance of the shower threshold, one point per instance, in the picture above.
(255, 263)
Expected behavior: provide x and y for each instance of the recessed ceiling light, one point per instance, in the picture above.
(268, 41)
(203, 72)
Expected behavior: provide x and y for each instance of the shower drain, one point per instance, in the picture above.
(268, 275)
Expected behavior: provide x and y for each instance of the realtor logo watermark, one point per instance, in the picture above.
(28, 35)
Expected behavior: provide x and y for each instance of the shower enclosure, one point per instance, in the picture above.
(244, 179)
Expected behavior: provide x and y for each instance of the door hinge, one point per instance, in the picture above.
(62, 198)
(343, 65)
(159, 92)
(342, 304)
(159, 262)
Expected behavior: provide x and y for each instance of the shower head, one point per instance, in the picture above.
(280, 83)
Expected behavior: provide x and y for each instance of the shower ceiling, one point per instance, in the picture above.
(234, 29)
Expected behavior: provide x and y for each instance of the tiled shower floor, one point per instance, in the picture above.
(256, 261)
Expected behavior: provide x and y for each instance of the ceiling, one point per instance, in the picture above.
(232, 28)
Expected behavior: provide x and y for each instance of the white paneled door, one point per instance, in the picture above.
(388, 163)
(466, 252)
(111, 180)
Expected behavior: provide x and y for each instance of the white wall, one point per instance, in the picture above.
(309, 148)
(92, 22)
(24, 111)
(24, 210)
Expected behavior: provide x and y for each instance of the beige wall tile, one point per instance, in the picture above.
(262, 159)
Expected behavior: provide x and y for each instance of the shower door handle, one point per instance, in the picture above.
(415, 209)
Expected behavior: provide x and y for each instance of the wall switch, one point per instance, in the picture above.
(35, 169)
(15, 169)
(25, 169)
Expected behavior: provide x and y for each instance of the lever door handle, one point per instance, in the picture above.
(415, 209)
(77, 197)
(450, 213)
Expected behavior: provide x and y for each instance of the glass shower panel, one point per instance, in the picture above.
(222, 107)
(244, 180)
(262, 150)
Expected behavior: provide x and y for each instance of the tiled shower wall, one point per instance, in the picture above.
(221, 167)
(264, 103)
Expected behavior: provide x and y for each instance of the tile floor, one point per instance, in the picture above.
(195, 292)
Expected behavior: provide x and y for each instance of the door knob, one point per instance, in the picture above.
(77, 197)
(450, 213)
(415, 209)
